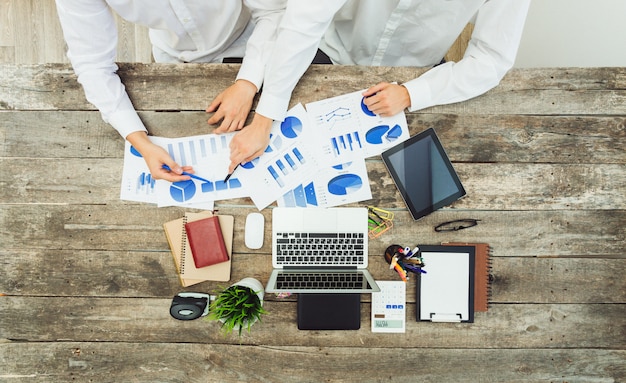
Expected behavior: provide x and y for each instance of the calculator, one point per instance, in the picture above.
(389, 307)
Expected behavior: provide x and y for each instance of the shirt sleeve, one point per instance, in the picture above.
(489, 56)
(91, 36)
(299, 35)
(266, 16)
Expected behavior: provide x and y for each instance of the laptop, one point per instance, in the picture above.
(316, 250)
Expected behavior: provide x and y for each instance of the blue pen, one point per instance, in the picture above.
(187, 174)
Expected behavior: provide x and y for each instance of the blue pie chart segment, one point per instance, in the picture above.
(183, 191)
(365, 109)
(394, 133)
(291, 127)
(250, 164)
(275, 143)
(342, 166)
(375, 135)
(345, 184)
(134, 152)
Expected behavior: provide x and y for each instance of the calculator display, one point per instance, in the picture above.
(382, 323)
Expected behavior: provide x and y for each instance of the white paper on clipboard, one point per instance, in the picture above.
(446, 292)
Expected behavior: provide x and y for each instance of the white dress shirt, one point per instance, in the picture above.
(299, 35)
(420, 32)
(180, 31)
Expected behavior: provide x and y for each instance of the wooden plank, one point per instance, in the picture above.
(54, 42)
(138, 228)
(488, 186)
(149, 85)
(467, 138)
(139, 274)
(145, 362)
(130, 45)
(7, 36)
(30, 31)
(46, 319)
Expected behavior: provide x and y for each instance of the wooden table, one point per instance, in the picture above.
(87, 279)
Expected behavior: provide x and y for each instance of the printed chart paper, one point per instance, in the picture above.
(290, 159)
(208, 154)
(347, 130)
(331, 186)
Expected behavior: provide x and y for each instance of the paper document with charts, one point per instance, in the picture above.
(331, 186)
(209, 156)
(315, 158)
(347, 130)
(290, 159)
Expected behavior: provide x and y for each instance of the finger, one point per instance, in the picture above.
(226, 125)
(215, 119)
(371, 102)
(375, 89)
(173, 168)
(175, 178)
(232, 166)
(214, 104)
(188, 169)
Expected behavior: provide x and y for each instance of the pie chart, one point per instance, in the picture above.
(345, 184)
(365, 109)
(394, 133)
(275, 143)
(134, 152)
(250, 164)
(342, 166)
(291, 127)
(183, 191)
(375, 135)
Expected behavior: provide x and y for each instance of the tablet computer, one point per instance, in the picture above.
(423, 174)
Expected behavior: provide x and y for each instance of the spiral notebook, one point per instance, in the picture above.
(183, 259)
(482, 270)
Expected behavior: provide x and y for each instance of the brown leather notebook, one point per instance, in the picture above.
(482, 268)
(206, 242)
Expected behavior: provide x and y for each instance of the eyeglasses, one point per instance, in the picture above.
(456, 225)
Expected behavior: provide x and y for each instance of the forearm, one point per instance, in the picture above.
(490, 54)
(299, 35)
(91, 36)
(266, 16)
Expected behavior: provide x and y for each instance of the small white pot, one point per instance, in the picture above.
(257, 287)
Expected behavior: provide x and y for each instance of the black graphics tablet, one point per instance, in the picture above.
(423, 174)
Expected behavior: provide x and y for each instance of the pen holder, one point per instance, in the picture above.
(390, 251)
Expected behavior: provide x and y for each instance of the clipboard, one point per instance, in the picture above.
(446, 292)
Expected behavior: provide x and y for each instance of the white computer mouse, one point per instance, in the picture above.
(255, 230)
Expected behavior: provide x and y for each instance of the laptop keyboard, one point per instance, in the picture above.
(289, 280)
(320, 249)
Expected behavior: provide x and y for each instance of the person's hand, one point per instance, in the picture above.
(232, 106)
(155, 157)
(387, 99)
(250, 142)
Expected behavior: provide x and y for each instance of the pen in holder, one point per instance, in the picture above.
(404, 260)
(379, 221)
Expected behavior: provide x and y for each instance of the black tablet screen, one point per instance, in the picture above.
(423, 174)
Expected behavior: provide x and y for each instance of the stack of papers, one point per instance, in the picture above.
(315, 158)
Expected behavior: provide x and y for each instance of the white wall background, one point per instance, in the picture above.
(574, 33)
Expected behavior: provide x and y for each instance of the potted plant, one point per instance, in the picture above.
(238, 306)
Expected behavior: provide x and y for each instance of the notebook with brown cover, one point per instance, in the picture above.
(206, 242)
(482, 268)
